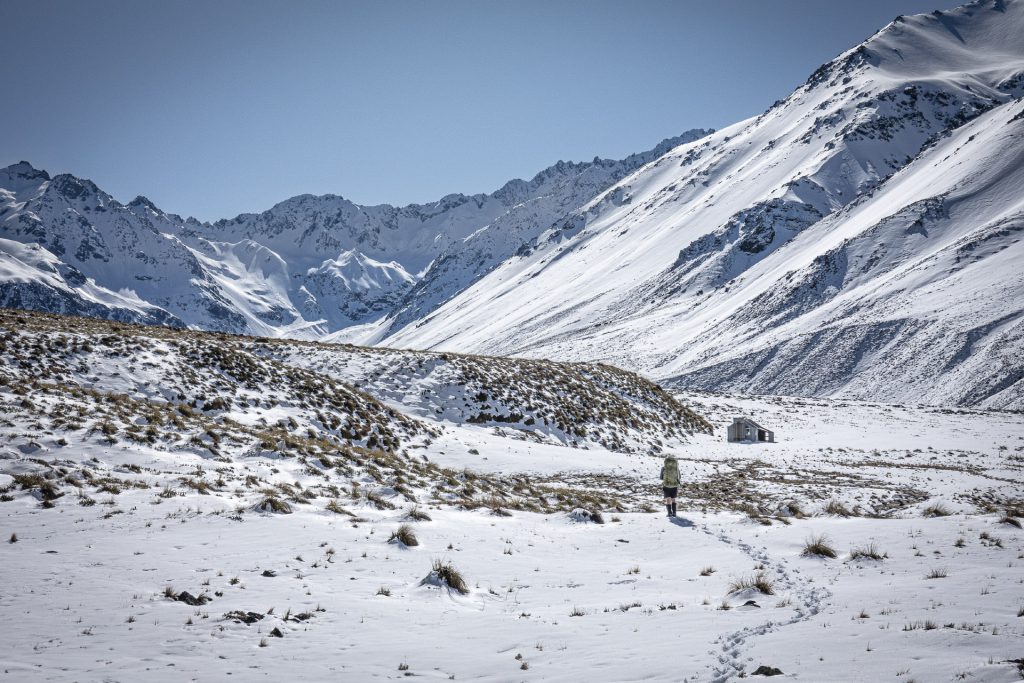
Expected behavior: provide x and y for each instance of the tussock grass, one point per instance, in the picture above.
(937, 573)
(335, 507)
(936, 510)
(707, 571)
(48, 490)
(818, 546)
(868, 552)
(834, 507)
(445, 574)
(417, 515)
(273, 504)
(379, 501)
(759, 582)
(496, 506)
(791, 508)
(404, 535)
(926, 625)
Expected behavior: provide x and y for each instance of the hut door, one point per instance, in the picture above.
(761, 436)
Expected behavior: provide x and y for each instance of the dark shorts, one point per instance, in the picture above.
(670, 492)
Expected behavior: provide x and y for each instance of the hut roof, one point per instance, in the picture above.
(747, 419)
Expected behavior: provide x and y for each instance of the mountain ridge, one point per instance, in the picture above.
(687, 245)
(305, 237)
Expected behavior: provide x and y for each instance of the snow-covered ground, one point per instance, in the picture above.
(85, 589)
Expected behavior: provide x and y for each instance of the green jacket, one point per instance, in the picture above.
(670, 473)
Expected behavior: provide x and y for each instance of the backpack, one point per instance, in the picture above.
(670, 473)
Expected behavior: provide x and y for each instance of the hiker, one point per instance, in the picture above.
(670, 483)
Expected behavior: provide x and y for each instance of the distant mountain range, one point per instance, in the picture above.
(860, 238)
(307, 267)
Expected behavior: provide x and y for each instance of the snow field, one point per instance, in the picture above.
(643, 610)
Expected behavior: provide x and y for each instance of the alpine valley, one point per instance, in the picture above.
(860, 238)
(334, 442)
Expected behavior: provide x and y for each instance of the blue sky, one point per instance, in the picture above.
(215, 108)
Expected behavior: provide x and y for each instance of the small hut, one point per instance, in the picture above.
(745, 429)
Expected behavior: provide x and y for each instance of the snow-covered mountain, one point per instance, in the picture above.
(307, 267)
(860, 238)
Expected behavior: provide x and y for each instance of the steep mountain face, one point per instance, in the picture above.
(305, 268)
(543, 203)
(860, 238)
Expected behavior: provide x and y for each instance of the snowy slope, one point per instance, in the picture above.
(860, 238)
(184, 505)
(307, 267)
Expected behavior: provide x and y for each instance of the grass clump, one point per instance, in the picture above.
(792, 508)
(937, 573)
(818, 546)
(417, 515)
(759, 582)
(834, 507)
(445, 575)
(868, 552)
(379, 501)
(273, 504)
(404, 535)
(335, 507)
(926, 625)
(494, 504)
(936, 510)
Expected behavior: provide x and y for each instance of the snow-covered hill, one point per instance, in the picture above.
(186, 505)
(339, 395)
(860, 238)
